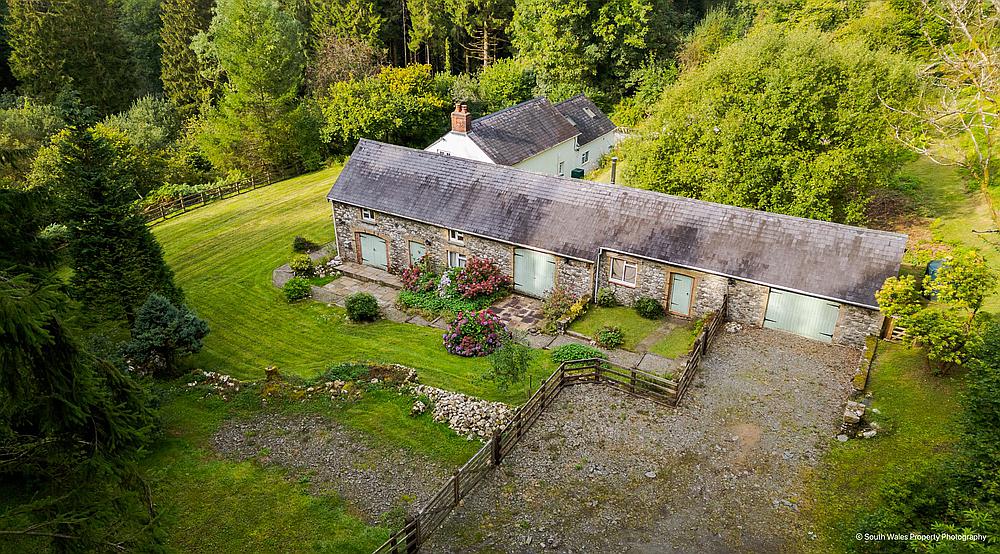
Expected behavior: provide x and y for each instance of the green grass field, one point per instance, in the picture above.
(223, 255)
(943, 195)
(919, 420)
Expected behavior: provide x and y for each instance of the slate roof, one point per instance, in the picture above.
(519, 132)
(576, 218)
(591, 125)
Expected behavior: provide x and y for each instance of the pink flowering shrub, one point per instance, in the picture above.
(420, 277)
(480, 277)
(475, 334)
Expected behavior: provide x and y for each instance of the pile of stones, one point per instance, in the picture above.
(466, 415)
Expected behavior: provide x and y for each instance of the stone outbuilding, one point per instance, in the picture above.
(391, 205)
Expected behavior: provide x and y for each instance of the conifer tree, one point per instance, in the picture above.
(180, 70)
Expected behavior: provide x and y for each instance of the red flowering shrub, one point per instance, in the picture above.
(480, 277)
(420, 277)
(475, 334)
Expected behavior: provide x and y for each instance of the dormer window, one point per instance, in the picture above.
(367, 215)
(456, 237)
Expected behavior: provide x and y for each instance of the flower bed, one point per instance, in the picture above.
(472, 288)
(475, 334)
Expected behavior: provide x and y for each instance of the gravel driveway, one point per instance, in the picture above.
(604, 472)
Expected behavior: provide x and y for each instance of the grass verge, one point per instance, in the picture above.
(917, 412)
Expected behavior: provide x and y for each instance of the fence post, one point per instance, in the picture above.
(497, 456)
(632, 380)
(412, 539)
(253, 186)
(458, 489)
(163, 214)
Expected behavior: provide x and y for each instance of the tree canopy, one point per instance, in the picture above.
(786, 121)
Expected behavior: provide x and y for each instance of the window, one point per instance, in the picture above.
(571, 122)
(456, 259)
(589, 112)
(367, 215)
(623, 272)
(561, 166)
(456, 236)
(584, 157)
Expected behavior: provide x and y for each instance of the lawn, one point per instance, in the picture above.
(918, 414)
(678, 341)
(955, 211)
(634, 327)
(223, 255)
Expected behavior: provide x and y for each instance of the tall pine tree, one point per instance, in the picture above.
(117, 262)
(180, 70)
(70, 44)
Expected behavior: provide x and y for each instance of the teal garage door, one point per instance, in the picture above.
(374, 251)
(803, 315)
(534, 272)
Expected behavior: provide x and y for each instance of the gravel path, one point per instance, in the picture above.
(605, 472)
(377, 481)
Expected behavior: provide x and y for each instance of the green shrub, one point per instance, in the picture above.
(510, 362)
(347, 371)
(163, 333)
(606, 298)
(610, 336)
(556, 304)
(302, 265)
(649, 308)
(431, 302)
(303, 245)
(297, 288)
(570, 352)
(361, 306)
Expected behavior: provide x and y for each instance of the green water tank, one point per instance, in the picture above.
(577, 173)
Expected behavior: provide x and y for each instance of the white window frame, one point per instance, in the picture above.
(456, 237)
(585, 157)
(457, 259)
(368, 215)
(625, 265)
(562, 167)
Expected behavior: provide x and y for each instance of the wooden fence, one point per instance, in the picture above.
(161, 211)
(418, 528)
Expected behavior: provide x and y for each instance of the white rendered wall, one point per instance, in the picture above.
(547, 162)
(459, 145)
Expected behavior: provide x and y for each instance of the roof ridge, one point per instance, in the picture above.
(619, 187)
(509, 108)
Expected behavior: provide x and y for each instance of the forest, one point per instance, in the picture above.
(804, 107)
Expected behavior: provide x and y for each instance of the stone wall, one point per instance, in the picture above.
(573, 275)
(747, 302)
(855, 324)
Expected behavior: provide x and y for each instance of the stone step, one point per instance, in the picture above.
(369, 274)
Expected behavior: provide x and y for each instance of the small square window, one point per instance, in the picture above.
(367, 215)
(623, 272)
(456, 259)
(584, 157)
(590, 113)
(562, 165)
(456, 236)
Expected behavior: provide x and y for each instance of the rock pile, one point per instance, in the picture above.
(855, 424)
(466, 415)
(219, 383)
(853, 412)
(733, 327)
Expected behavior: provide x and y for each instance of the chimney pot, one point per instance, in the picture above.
(461, 119)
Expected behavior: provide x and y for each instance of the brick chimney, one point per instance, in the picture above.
(461, 119)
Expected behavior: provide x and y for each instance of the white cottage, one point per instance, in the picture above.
(535, 136)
